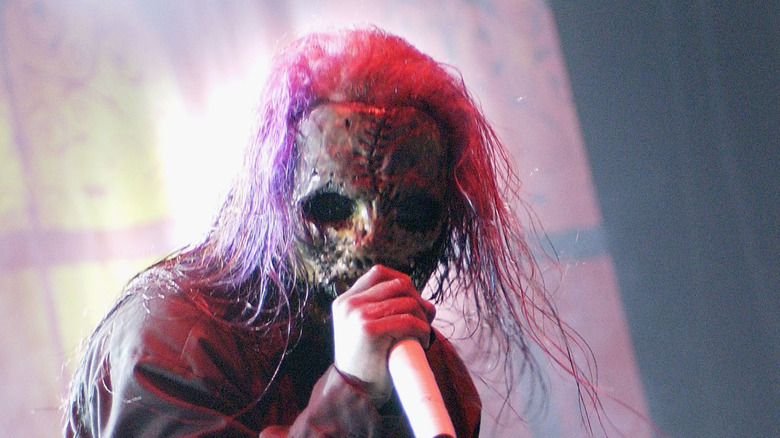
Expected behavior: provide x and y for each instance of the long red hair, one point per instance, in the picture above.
(487, 262)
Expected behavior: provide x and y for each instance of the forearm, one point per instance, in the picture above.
(338, 406)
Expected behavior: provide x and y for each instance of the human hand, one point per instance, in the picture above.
(380, 309)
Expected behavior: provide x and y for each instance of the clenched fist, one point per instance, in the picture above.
(381, 308)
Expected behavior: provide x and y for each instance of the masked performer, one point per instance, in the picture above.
(371, 173)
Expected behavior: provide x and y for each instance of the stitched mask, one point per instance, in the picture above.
(370, 188)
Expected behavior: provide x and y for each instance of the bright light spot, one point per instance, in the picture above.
(201, 149)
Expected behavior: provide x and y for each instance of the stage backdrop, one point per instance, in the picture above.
(120, 123)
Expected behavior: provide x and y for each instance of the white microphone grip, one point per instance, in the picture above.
(417, 389)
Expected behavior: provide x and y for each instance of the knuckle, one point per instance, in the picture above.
(406, 281)
(380, 270)
(410, 304)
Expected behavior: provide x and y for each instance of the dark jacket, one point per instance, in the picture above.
(164, 365)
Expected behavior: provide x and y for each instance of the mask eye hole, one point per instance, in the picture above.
(417, 212)
(327, 208)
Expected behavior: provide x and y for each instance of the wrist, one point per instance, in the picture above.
(377, 393)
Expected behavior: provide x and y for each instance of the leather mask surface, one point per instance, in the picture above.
(370, 188)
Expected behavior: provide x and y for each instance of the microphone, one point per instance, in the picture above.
(417, 389)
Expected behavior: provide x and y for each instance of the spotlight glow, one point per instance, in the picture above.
(201, 148)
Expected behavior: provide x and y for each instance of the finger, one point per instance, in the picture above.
(387, 331)
(430, 310)
(388, 289)
(375, 275)
(396, 288)
(395, 306)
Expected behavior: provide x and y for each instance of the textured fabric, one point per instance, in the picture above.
(162, 365)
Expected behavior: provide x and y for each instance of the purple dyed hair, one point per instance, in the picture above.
(248, 257)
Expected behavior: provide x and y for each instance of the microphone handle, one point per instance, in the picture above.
(417, 389)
